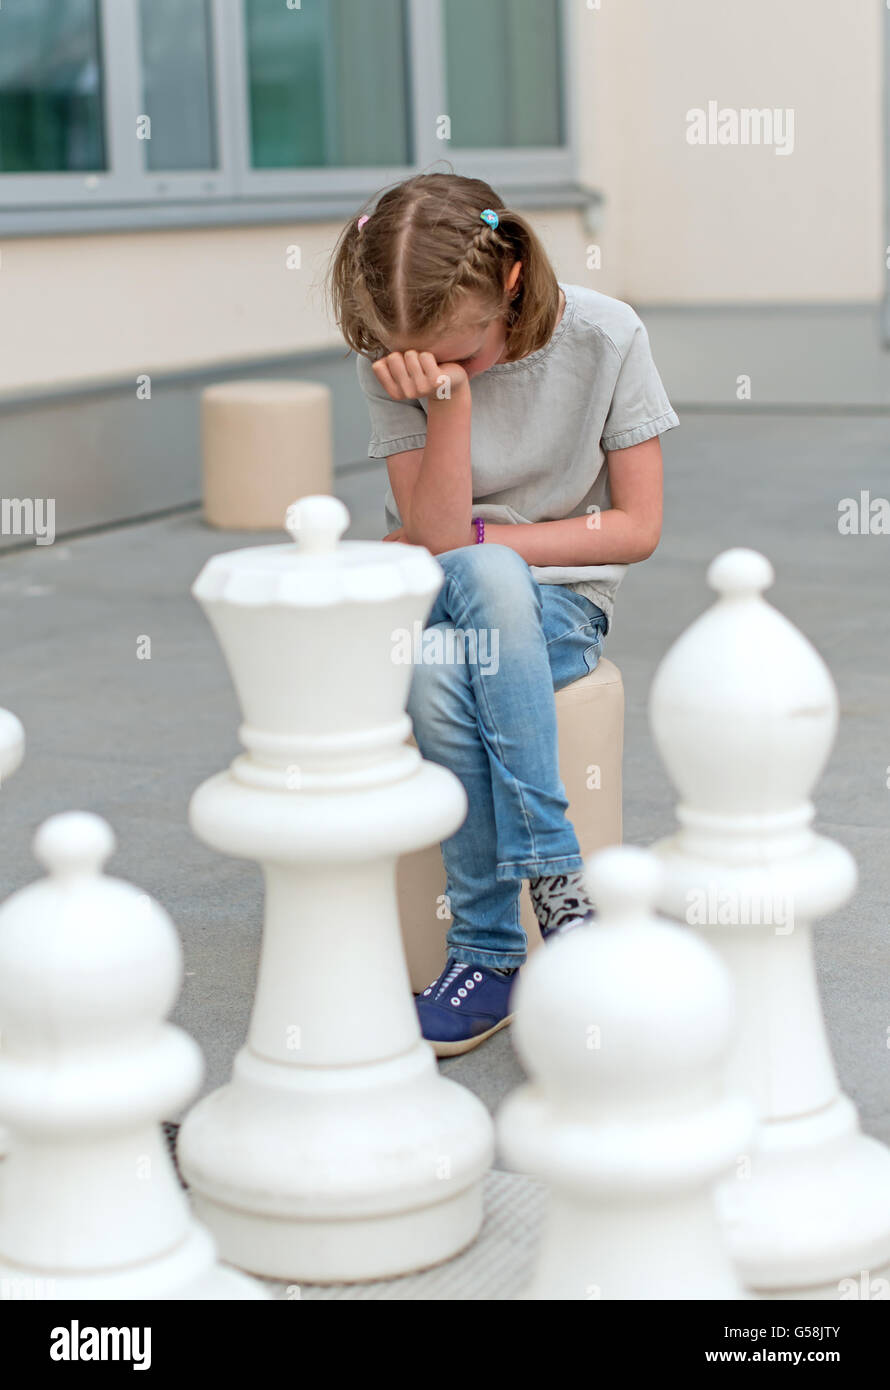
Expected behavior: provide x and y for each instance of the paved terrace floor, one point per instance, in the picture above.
(131, 739)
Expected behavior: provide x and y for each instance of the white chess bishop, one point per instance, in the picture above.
(90, 1206)
(337, 1152)
(744, 712)
(12, 751)
(624, 1027)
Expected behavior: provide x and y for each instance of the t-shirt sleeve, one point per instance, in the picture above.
(395, 425)
(640, 407)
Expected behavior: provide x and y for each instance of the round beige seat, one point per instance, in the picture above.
(590, 717)
(264, 444)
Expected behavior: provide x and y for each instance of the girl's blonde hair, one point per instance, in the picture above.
(422, 250)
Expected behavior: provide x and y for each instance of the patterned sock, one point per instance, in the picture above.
(560, 901)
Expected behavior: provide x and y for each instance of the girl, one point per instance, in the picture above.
(520, 421)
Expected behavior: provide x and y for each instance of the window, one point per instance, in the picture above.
(327, 84)
(503, 73)
(166, 112)
(50, 97)
(177, 83)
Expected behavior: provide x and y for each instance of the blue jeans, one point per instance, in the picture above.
(492, 721)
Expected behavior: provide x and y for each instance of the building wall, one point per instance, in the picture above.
(87, 309)
(682, 225)
(732, 224)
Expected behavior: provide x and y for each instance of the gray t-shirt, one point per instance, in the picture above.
(542, 426)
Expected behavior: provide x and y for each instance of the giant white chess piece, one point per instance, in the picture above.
(12, 744)
(744, 713)
(12, 751)
(625, 1028)
(337, 1152)
(90, 1206)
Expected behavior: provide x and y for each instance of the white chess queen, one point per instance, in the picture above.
(337, 1152)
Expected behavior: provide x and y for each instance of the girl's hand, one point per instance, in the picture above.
(409, 376)
(398, 535)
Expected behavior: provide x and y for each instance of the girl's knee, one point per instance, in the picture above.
(483, 561)
(494, 577)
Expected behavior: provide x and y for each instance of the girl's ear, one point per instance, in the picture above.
(513, 277)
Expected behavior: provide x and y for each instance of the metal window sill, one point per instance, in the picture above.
(182, 214)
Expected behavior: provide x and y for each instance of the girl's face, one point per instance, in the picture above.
(472, 344)
(475, 348)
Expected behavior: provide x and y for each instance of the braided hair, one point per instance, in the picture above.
(423, 257)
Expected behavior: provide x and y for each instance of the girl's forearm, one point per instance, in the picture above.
(610, 537)
(441, 507)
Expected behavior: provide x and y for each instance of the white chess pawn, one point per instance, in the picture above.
(744, 712)
(624, 1027)
(12, 751)
(90, 1206)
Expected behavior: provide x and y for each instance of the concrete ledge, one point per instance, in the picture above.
(796, 355)
(106, 456)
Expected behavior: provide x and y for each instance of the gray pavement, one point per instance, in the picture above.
(131, 738)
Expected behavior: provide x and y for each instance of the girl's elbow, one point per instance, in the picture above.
(649, 544)
(415, 535)
(435, 542)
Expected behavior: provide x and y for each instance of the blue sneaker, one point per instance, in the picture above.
(464, 1006)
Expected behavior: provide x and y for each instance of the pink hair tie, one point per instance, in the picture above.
(363, 220)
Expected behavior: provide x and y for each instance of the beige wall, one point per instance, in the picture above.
(729, 223)
(681, 224)
(92, 307)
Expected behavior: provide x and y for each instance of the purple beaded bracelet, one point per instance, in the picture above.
(480, 529)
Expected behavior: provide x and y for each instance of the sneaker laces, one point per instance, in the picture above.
(449, 976)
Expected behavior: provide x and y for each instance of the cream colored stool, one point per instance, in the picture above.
(590, 716)
(265, 443)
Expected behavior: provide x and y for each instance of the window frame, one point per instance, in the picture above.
(127, 195)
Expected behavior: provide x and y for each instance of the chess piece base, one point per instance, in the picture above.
(815, 1211)
(190, 1271)
(356, 1251)
(331, 1175)
(866, 1285)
